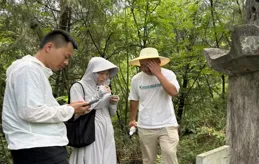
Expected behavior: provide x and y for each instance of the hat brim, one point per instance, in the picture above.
(135, 62)
(112, 70)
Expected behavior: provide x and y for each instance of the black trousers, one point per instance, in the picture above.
(40, 155)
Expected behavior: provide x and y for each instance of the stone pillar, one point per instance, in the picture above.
(241, 64)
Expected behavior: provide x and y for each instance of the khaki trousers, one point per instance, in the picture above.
(167, 138)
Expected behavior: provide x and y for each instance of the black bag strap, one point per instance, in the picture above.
(68, 101)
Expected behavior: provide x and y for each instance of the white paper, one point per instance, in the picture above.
(103, 102)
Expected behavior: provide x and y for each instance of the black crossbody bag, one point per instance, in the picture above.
(81, 131)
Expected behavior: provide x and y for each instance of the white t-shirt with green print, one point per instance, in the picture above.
(156, 108)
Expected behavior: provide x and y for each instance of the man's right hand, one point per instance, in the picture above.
(80, 107)
(132, 123)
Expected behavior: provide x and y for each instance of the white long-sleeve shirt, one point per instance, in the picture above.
(31, 115)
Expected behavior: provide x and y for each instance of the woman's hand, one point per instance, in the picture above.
(108, 89)
(114, 99)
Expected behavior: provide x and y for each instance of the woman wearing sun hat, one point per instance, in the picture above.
(151, 92)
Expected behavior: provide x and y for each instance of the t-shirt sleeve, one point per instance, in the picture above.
(133, 90)
(172, 78)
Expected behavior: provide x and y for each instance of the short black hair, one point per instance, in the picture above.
(59, 38)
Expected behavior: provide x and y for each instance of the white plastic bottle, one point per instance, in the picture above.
(132, 130)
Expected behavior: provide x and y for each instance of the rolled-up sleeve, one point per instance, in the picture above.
(112, 109)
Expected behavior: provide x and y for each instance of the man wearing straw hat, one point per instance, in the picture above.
(151, 92)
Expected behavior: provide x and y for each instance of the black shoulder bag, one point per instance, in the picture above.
(81, 131)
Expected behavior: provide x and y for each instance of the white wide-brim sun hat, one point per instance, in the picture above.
(102, 64)
(149, 53)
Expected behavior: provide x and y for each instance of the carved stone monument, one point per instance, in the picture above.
(241, 64)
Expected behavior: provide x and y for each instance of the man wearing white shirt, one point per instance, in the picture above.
(151, 93)
(32, 118)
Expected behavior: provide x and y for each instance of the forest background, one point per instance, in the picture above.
(117, 30)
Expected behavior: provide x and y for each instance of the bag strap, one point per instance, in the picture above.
(70, 89)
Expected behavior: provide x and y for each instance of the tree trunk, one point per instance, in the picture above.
(182, 97)
(62, 83)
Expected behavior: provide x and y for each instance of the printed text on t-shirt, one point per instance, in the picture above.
(149, 86)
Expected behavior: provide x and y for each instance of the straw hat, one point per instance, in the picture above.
(149, 53)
